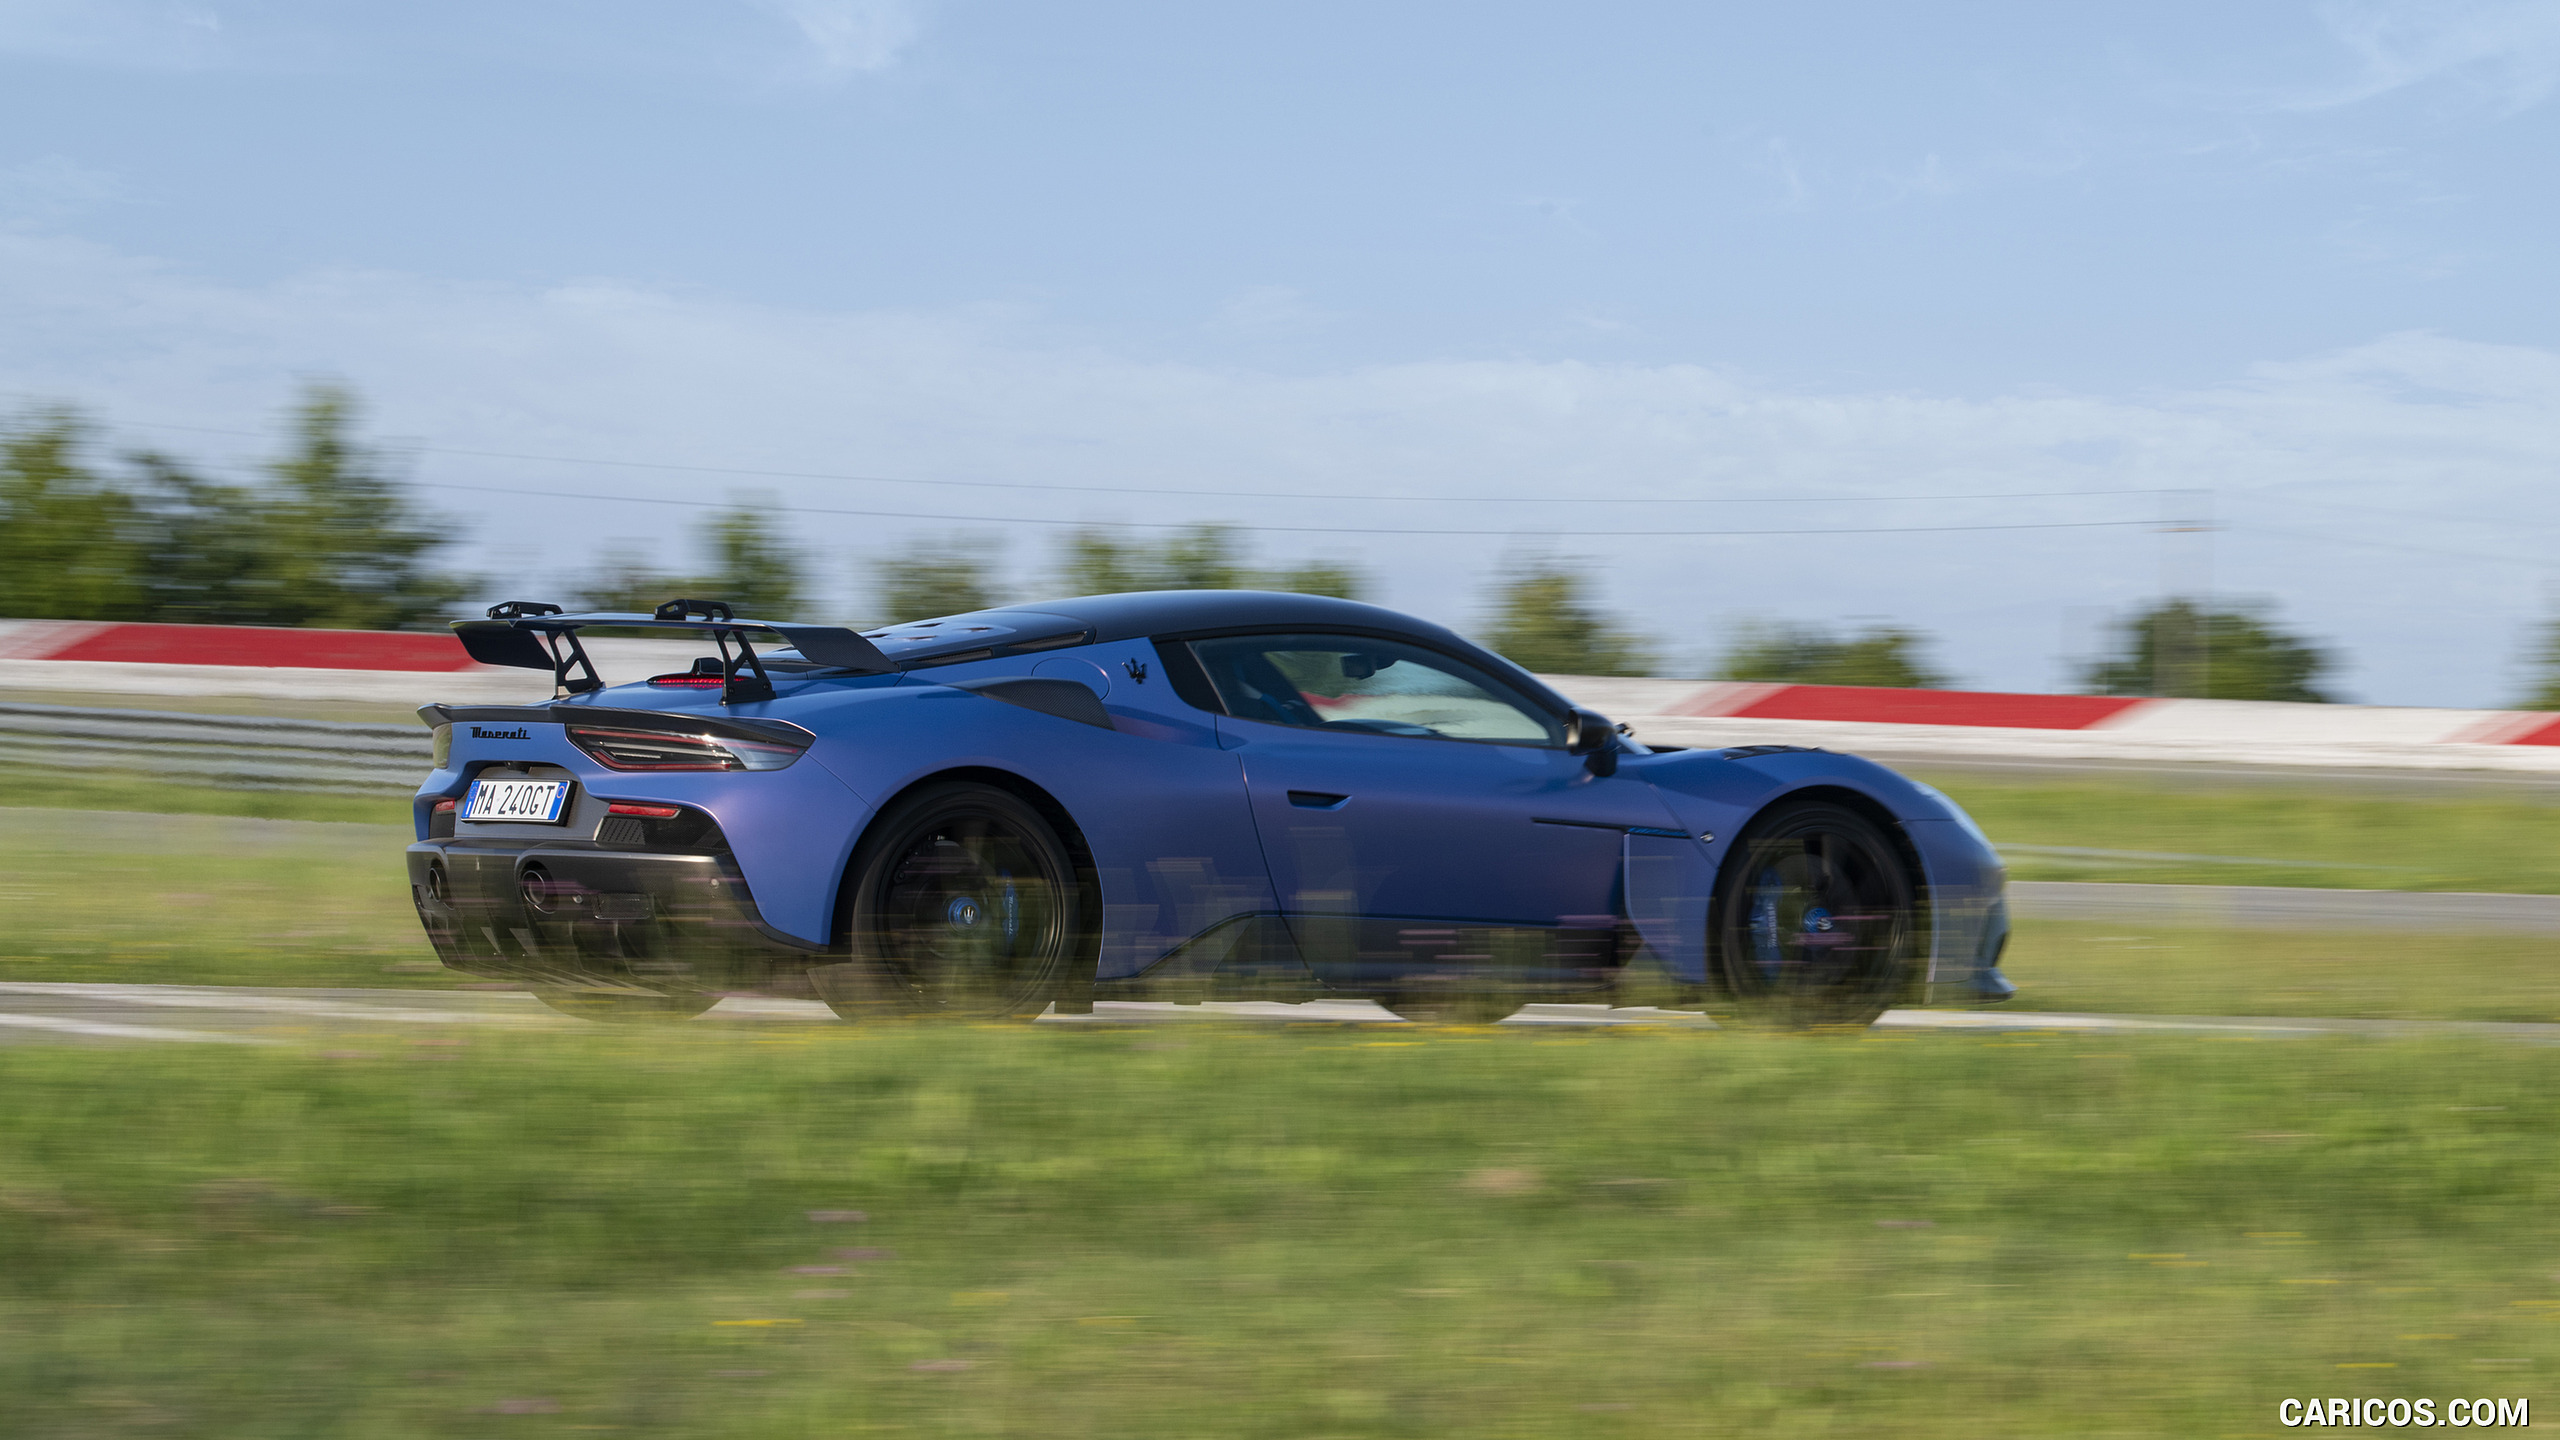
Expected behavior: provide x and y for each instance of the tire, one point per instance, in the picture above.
(1817, 919)
(962, 902)
(623, 1007)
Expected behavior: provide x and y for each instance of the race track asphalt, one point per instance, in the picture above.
(33, 1011)
(2276, 907)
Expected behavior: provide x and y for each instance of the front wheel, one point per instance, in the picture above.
(1817, 918)
(963, 902)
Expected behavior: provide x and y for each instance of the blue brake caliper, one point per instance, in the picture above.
(1764, 924)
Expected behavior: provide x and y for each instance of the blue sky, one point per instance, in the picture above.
(1585, 280)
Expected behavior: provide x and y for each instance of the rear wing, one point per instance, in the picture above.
(531, 635)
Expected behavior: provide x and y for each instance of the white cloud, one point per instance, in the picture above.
(860, 36)
(137, 34)
(2502, 53)
(1787, 176)
(1564, 210)
(54, 187)
(832, 38)
(1529, 450)
(1781, 160)
(1271, 310)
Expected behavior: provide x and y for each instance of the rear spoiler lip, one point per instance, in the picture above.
(683, 722)
(833, 646)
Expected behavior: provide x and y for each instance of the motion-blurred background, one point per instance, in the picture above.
(1765, 372)
(1675, 294)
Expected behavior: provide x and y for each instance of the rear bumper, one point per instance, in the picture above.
(566, 912)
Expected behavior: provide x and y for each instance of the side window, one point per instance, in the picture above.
(1377, 687)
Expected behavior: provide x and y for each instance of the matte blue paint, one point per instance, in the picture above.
(1187, 818)
(1669, 883)
(1437, 827)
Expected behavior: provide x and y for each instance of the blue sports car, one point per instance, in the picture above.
(1169, 795)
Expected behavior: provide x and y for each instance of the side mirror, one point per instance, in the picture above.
(1589, 734)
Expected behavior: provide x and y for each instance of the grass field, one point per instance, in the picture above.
(206, 900)
(2332, 838)
(1249, 1234)
(104, 896)
(2270, 833)
(120, 791)
(371, 712)
(2111, 968)
(1282, 1232)
(2280, 831)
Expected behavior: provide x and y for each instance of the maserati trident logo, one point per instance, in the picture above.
(519, 733)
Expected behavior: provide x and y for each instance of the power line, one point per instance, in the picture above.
(745, 472)
(1275, 529)
(2508, 522)
(2544, 564)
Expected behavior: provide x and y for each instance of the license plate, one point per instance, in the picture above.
(536, 802)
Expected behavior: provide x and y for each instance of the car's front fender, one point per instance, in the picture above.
(1716, 794)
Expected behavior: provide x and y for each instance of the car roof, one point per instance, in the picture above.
(1150, 614)
(1132, 614)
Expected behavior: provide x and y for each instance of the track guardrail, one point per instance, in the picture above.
(241, 752)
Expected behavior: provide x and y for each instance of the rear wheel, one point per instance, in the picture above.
(626, 1007)
(1817, 918)
(964, 902)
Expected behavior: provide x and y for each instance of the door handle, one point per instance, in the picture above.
(1317, 800)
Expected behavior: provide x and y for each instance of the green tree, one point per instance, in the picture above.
(934, 577)
(1203, 557)
(752, 568)
(623, 580)
(1315, 577)
(1545, 621)
(328, 539)
(1811, 655)
(208, 548)
(72, 545)
(759, 572)
(2178, 647)
(2543, 661)
(339, 546)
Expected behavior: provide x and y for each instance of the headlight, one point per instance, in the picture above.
(663, 750)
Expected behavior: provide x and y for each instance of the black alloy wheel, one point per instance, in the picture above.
(1817, 919)
(964, 902)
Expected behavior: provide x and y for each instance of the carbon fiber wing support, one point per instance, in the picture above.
(530, 635)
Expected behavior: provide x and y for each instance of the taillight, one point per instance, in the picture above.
(707, 674)
(444, 807)
(653, 812)
(665, 750)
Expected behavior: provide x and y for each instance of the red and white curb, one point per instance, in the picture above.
(411, 668)
(1962, 724)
